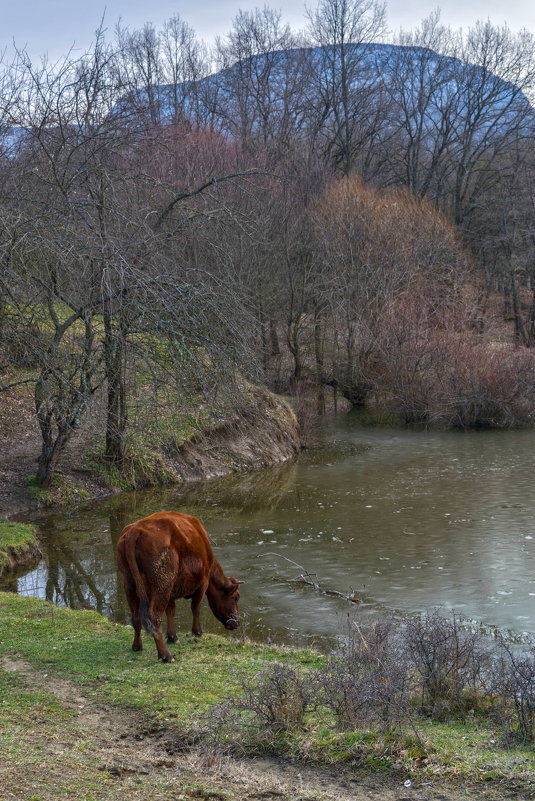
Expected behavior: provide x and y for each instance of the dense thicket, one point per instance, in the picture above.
(319, 209)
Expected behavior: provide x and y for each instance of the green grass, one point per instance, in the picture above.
(48, 753)
(96, 655)
(451, 751)
(16, 541)
(472, 750)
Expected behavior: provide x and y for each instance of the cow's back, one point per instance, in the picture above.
(167, 549)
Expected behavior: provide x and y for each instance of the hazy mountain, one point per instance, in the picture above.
(409, 86)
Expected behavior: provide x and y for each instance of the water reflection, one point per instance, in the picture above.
(260, 491)
(407, 520)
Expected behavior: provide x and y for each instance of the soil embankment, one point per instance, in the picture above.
(18, 545)
(263, 432)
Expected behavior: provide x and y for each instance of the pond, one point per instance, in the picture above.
(403, 520)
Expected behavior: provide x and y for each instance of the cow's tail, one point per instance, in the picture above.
(139, 580)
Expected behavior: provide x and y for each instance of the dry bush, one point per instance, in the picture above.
(387, 674)
(413, 351)
(376, 243)
(407, 357)
(273, 702)
(486, 386)
(430, 368)
(514, 687)
(450, 665)
(278, 698)
(368, 682)
(392, 268)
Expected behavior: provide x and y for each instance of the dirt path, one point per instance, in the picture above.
(113, 753)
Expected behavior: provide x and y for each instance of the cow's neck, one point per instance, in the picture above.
(217, 577)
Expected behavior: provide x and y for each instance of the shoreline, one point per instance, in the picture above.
(268, 434)
(18, 545)
(84, 670)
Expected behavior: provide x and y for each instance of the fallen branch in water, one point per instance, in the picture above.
(310, 579)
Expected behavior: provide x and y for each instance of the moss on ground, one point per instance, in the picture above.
(61, 492)
(18, 542)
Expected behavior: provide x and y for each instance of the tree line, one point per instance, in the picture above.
(317, 207)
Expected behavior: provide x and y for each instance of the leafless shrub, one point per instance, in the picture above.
(429, 370)
(219, 732)
(515, 691)
(450, 664)
(388, 672)
(278, 698)
(487, 386)
(18, 346)
(368, 683)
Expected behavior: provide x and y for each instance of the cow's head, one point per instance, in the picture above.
(223, 597)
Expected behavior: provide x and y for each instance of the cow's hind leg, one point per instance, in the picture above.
(170, 613)
(133, 603)
(137, 645)
(163, 652)
(160, 574)
(156, 614)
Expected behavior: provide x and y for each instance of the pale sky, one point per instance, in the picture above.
(54, 26)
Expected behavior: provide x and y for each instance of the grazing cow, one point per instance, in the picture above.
(167, 556)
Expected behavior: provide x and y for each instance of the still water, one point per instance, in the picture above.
(406, 520)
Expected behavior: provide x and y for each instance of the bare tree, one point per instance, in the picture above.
(96, 200)
(261, 85)
(344, 76)
(366, 271)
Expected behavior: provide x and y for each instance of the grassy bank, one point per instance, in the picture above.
(177, 440)
(184, 702)
(18, 543)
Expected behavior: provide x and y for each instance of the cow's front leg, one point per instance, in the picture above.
(196, 599)
(170, 614)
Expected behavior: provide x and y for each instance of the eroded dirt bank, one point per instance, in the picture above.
(263, 433)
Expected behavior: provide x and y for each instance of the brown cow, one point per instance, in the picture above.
(167, 556)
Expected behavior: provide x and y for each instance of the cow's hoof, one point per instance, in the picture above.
(196, 632)
(167, 658)
(137, 648)
(171, 638)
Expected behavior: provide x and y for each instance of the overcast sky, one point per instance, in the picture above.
(54, 26)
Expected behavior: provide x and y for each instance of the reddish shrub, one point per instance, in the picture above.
(431, 368)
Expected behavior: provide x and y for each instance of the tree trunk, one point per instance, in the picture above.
(320, 362)
(46, 465)
(274, 340)
(60, 403)
(520, 334)
(116, 418)
(294, 347)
